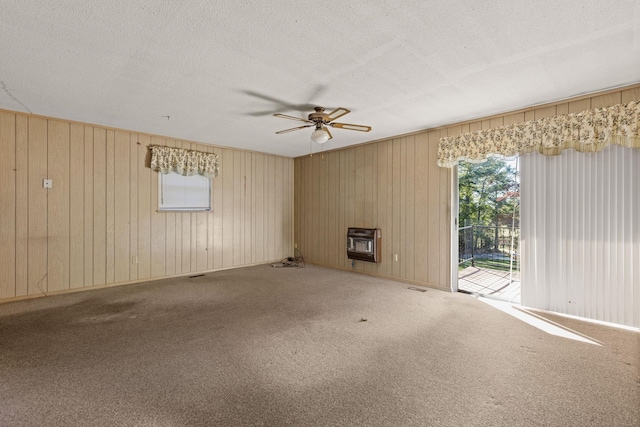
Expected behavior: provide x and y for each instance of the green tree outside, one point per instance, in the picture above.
(488, 193)
(488, 197)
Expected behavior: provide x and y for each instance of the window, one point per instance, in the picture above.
(184, 193)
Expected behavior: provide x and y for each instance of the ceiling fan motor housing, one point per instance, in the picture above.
(319, 116)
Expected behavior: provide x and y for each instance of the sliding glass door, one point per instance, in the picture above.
(488, 228)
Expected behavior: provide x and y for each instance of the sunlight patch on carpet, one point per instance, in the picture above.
(536, 322)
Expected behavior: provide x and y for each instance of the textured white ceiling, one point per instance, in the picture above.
(219, 69)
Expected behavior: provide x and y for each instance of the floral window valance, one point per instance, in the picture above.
(184, 162)
(587, 131)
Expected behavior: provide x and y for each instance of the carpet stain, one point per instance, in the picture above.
(89, 311)
(493, 401)
(529, 350)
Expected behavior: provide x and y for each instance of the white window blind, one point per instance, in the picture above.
(580, 235)
(184, 193)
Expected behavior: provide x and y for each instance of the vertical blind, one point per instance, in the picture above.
(580, 234)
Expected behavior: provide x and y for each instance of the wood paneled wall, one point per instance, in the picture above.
(392, 185)
(102, 209)
(396, 185)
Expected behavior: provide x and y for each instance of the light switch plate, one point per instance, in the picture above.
(47, 183)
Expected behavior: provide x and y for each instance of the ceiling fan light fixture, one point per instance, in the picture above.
(320, 136)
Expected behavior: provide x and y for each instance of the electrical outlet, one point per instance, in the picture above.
(295, 246)
(134, 260)
(395, 257)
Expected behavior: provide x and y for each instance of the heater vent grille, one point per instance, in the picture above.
(363, 244)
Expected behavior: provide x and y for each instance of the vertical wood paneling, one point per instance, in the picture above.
(22, 204)
(227, 208)
(102, 209)
(383, 202)
(217, 217)
(529, 115)
(383, 185)
(540, 113)
(306, 221)
(76, 206)
(372, 192)
(433, 215)
(236, 225)
(495, 123)
(278, 199)
(287, 208)
(308, 215)
(508, 120)
(629, 95)
(297, 200)
(290, 220)
(421, 206)
(475, 126)
(390, 210)
(312, 243)
(122, 209)
(58, 206)
(37, 209)
(401, 210)
(259, 216)
(134, 161)
(396, 206)
(243, 206)
(8, 205)
(359, 194)
(321, 177)
(341, 159)
(211, 225)
(333, 240)
(89, 203)
(144, 208)
(410, 212)
(577, 106)
(271, 210)
(111, 199)
(201, 240)
(99, 206)
(606, 100)
(562, 108)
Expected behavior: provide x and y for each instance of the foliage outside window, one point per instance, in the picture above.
(488, 193)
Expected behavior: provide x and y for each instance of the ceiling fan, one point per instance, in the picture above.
(321, 120)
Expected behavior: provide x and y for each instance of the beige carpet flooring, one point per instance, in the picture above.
(264, 346)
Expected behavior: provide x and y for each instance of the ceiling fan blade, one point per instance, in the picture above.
(327, 130)
(292, 129)
(284, 116)
(280, 104)
(338, 112)
(348, 126)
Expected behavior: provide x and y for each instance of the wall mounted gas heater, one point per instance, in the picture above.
(363, 244)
